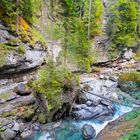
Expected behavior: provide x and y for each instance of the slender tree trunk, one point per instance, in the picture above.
(42, 103)
(89, 21)
(17, 18)
(41, 18)
(52, 55)
(65, 44)
(65, 47)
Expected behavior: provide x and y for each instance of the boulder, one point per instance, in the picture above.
(16, 127)
(88, 132)
(9, 134)
(113, 78)
(128, 55)
(26, 134)
(84, 112)
(22, 89)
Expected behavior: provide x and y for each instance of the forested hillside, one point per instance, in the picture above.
(68, 68)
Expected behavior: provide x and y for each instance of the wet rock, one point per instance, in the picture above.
(16, 127)
(102, 77)
(22, 89)
(84, 112)
(106, 103)
(88, 103)
(9, 134)
(36, 127)
(113, 78)
(26, 134)
(84, 97)
(110, 84)
(88, 132)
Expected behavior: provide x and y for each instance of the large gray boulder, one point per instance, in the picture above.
(9, 134)
(88, 132)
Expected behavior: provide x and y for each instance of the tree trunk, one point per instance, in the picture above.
(89, 21)
(52, 55)
(41, 18)
(65, 44)
(41, 102)
(17, 18)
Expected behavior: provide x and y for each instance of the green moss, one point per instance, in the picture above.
(7, 114)
(4, 96)
(42, 118)
(32, 37)
(37, 37)
(14, 42)
(28, 114)
(4, 49)
(21, 50)
(137, 56)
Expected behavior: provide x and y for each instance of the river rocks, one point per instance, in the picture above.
(19, 102)
(84, 112)
(9, 134)
(26, 134)
(16, 127)
(113, 78)
(88, 132)
(128, 54)
(22, 89)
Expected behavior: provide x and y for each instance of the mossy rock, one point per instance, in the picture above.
(42, 118)
(28, 115)
(14, 42)
(130, 82)
(2, 130)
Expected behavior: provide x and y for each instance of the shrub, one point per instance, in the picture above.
(54, 82)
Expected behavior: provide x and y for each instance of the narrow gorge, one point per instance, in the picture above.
(69, 70)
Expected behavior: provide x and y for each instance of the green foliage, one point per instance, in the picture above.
(96, 16)
(132, 115)
(25, 8)
(42, 118)
(76, 44)
(21, 50)
(130, 76)
(4, 49)
(58, 30)
(122, 24)
(54, 82)
(135, 134)
(137, 57)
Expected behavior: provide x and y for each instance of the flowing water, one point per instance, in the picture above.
(71, 130)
